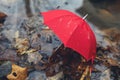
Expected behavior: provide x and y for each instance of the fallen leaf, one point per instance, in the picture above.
(2, 18)
(2, 14)
(111, 37)
(113, 62)
(22, 45)
(28, 51)
(18, 73)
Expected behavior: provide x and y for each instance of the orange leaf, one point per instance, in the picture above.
(18, 73)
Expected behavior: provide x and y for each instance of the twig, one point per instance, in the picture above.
(101, 59)
(85, 73)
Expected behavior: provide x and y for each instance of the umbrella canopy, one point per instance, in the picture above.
(73, 31)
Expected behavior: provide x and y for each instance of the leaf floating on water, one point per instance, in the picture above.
(18, 73)
(2, 15)
(2, 18)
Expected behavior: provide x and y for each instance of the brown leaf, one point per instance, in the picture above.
(2, 18)
(18, 73)
(2, 15)
(111, 37)
(22, 45)
(113, 62)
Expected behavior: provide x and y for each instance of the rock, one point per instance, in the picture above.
(9, 54)
(34, 57)
(36, 41)
(100, 67)
(53, 69)
(5, 68)
(105, 75)
(4, 43)
(36, 76)
(22, 44)
(58, 76)
(115, 73)
(95, 75)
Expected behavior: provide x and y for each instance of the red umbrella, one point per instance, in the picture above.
(73, 31)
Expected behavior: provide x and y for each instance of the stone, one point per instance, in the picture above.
(35, 75)
(5, 68)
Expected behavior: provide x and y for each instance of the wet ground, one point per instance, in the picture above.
(28, 46)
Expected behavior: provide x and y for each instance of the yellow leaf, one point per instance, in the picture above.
(18, 73)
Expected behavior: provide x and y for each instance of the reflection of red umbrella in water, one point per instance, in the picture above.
(73, 31)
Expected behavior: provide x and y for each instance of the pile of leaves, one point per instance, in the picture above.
(36, 48)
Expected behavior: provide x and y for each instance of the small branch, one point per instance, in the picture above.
(85, 73)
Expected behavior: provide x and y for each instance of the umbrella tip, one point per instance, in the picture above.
(85, 16)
